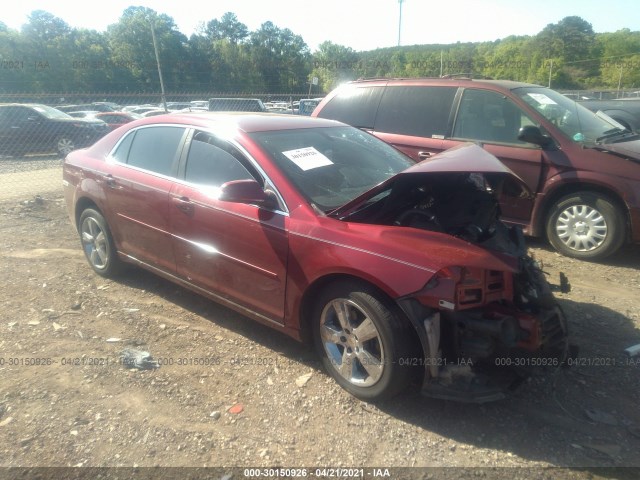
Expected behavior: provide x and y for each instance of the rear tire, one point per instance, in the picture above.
(98, 245)
(65, 145)
(586, 225)
(363, 340)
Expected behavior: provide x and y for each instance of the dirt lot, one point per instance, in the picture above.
(230, 392)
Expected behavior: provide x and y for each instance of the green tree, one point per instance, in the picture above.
(132, 50)
(227, 28)
(572, 42)
(47, 42)
(620, 59)
(333, 64)
(281, 57)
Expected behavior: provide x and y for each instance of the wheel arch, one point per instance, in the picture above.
(81, 205)
(313, 290)
(569, 188)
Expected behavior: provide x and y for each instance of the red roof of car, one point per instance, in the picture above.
(247, 122)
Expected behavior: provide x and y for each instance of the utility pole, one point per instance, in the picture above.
(619, 82)
(155, 48)
(400, 21)
(550, 70)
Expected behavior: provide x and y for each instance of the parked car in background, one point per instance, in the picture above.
(279, 107)
(175, 106)
(308, 105)
(116, 119)
(154, 112)
(83, 114)
(395, 272)
(236, 105)
(624, 111)
(200, 104)
(36, 128)
(582, 167)
(95, 106)
(140, 109)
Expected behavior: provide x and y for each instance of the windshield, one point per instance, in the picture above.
(331, 166)
(50, 112)
(574, 120)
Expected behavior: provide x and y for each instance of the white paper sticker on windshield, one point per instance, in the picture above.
(307, 158)
(542, 99)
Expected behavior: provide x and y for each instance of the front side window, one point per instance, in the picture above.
(153, 148)
(211, 162)
(490, 117)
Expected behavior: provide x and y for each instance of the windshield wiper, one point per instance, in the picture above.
(616, 132)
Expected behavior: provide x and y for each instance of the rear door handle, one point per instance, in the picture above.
(424, 155)
(183, 204)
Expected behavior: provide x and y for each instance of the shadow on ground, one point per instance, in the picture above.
(585, 416)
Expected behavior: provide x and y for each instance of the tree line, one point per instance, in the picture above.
(48, 56)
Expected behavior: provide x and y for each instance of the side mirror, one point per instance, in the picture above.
(247, 191)
(532, 134)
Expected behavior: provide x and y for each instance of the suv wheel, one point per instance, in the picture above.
(586, 225)
(65, 145)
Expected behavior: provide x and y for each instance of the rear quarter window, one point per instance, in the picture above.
(152, 148)
(355, 106)
(416, 111)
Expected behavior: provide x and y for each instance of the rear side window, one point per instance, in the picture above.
(354, 106)
(154, 148)
(415, 111)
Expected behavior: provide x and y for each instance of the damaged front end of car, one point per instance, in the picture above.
(486, 330)
(489, 319)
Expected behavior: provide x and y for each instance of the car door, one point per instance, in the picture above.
(493, 120)
(233, 250)
(21, 130)
(141, 173)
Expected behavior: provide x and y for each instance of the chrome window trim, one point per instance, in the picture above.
(267, 181)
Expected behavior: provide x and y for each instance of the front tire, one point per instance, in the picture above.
(586, 225)
(97, 244)
(363, 340)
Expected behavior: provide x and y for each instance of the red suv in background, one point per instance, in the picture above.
(582, 166)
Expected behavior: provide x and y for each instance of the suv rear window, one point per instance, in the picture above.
(416, 111)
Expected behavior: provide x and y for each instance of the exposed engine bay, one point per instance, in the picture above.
(482, 326)
(460, 204)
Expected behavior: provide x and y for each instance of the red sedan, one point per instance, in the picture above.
(116, 119)
(398, 273)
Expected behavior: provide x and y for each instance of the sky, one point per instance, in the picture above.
(359, 24)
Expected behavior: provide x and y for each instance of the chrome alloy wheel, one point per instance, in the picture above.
(65, 145)
(352, 342)
(581, 228)
(94, 243)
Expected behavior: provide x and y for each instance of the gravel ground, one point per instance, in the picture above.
(28, 163)
(229, 392)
